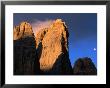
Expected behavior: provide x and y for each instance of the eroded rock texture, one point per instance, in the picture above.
(54, 58)
(26, 61)
(84, 66)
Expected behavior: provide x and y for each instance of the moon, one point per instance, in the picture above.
(94, 49)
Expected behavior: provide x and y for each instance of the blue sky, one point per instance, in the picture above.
(82, 29)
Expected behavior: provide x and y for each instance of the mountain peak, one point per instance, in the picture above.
(22, 30)
(58, 21)
(54, 41)
(84, 66)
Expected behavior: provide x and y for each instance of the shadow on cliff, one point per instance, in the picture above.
(62, 66)
(37, 63)
(26, 61)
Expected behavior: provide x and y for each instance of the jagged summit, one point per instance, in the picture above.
(23, 30)
(57, 25)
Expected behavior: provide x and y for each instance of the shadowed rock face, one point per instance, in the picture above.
(84, 66)
(26, 61)
(54, 57)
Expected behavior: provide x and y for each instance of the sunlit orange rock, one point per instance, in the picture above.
(23, 30)
(54, 58)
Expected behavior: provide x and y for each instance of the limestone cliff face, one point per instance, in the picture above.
(25, 59)
(54, 58)
(84, 66)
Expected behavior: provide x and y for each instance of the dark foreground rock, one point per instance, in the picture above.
(84, 66)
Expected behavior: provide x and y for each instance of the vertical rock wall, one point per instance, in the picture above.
(54, 57)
